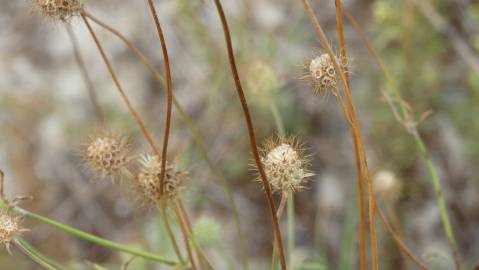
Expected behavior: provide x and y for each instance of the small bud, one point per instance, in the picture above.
(106, 153)
(58, 9)
(207, 232)
(284, 165)
(148, 180)
(261, 79)
(322, 73)
(387, 186)
(9, 228)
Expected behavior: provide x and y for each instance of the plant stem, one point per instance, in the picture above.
(184, 229)
(85, 75)
(92, 238)
(125, 98)
(360, 152)
(279, 213)
(412, 129)
(251, 133)
(36, 255)
(194, 132)
(362, 210)
(174, 243)
(169, 94)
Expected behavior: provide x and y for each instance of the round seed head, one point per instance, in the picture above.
(106, 154)
(59, 9)
(387, 185)
(9, 227)
(148, 180)
(284, 165)
(322, 73)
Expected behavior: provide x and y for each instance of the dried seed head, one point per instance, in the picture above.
(9, 228)
(322, 73)
(284, 165)
(387, 186)
(59, 9)
(148, 180)
(106, 153)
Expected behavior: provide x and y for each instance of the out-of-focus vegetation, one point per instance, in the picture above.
(46, 114)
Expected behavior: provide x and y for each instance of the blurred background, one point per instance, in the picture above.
(47, 113)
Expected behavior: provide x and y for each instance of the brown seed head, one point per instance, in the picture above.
(106, 153)
(59, 9)
(148, 180)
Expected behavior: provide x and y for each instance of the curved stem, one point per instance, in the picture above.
(125, 98)
(169, 94)
(251, 133)
(34, 255)
(184, 229)
(194, 132)
(92, 238)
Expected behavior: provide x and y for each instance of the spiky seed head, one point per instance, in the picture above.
(9, 228)
(322, 73)
(58, 9)
(148, 180)
(387, 185)
(106, 153)
(284, 164)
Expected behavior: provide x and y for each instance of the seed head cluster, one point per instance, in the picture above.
(148, 180)
(59, 9)
(322, 73)
(387, 185)
(9, 228)
(106, 154)
(284, 165)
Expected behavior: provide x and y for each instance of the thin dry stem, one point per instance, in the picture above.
(279, 213)
(174, 243)
(355, 129)
(251, 132)
(125, 98)
(169, 93)
(362, 210)
(85, 75)
(184, 229)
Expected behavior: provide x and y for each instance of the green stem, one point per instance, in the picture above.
(92, 238)
(32, 254)
(48, 260)
(277, 118)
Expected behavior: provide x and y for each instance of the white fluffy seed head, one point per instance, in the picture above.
(322, 73)
(58, 9)
(284, 166)
(148, 180)
(387, 185)
(106, 153)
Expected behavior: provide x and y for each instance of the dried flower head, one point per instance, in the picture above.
(387, 185)
(9, 228)
(59, 9)
(148, 180)
(285, 165)
(322, 73)
(106, 153)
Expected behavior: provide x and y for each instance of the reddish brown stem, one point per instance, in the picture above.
(169, 93)
(251, 132)
(184, 229)
(125, 98)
